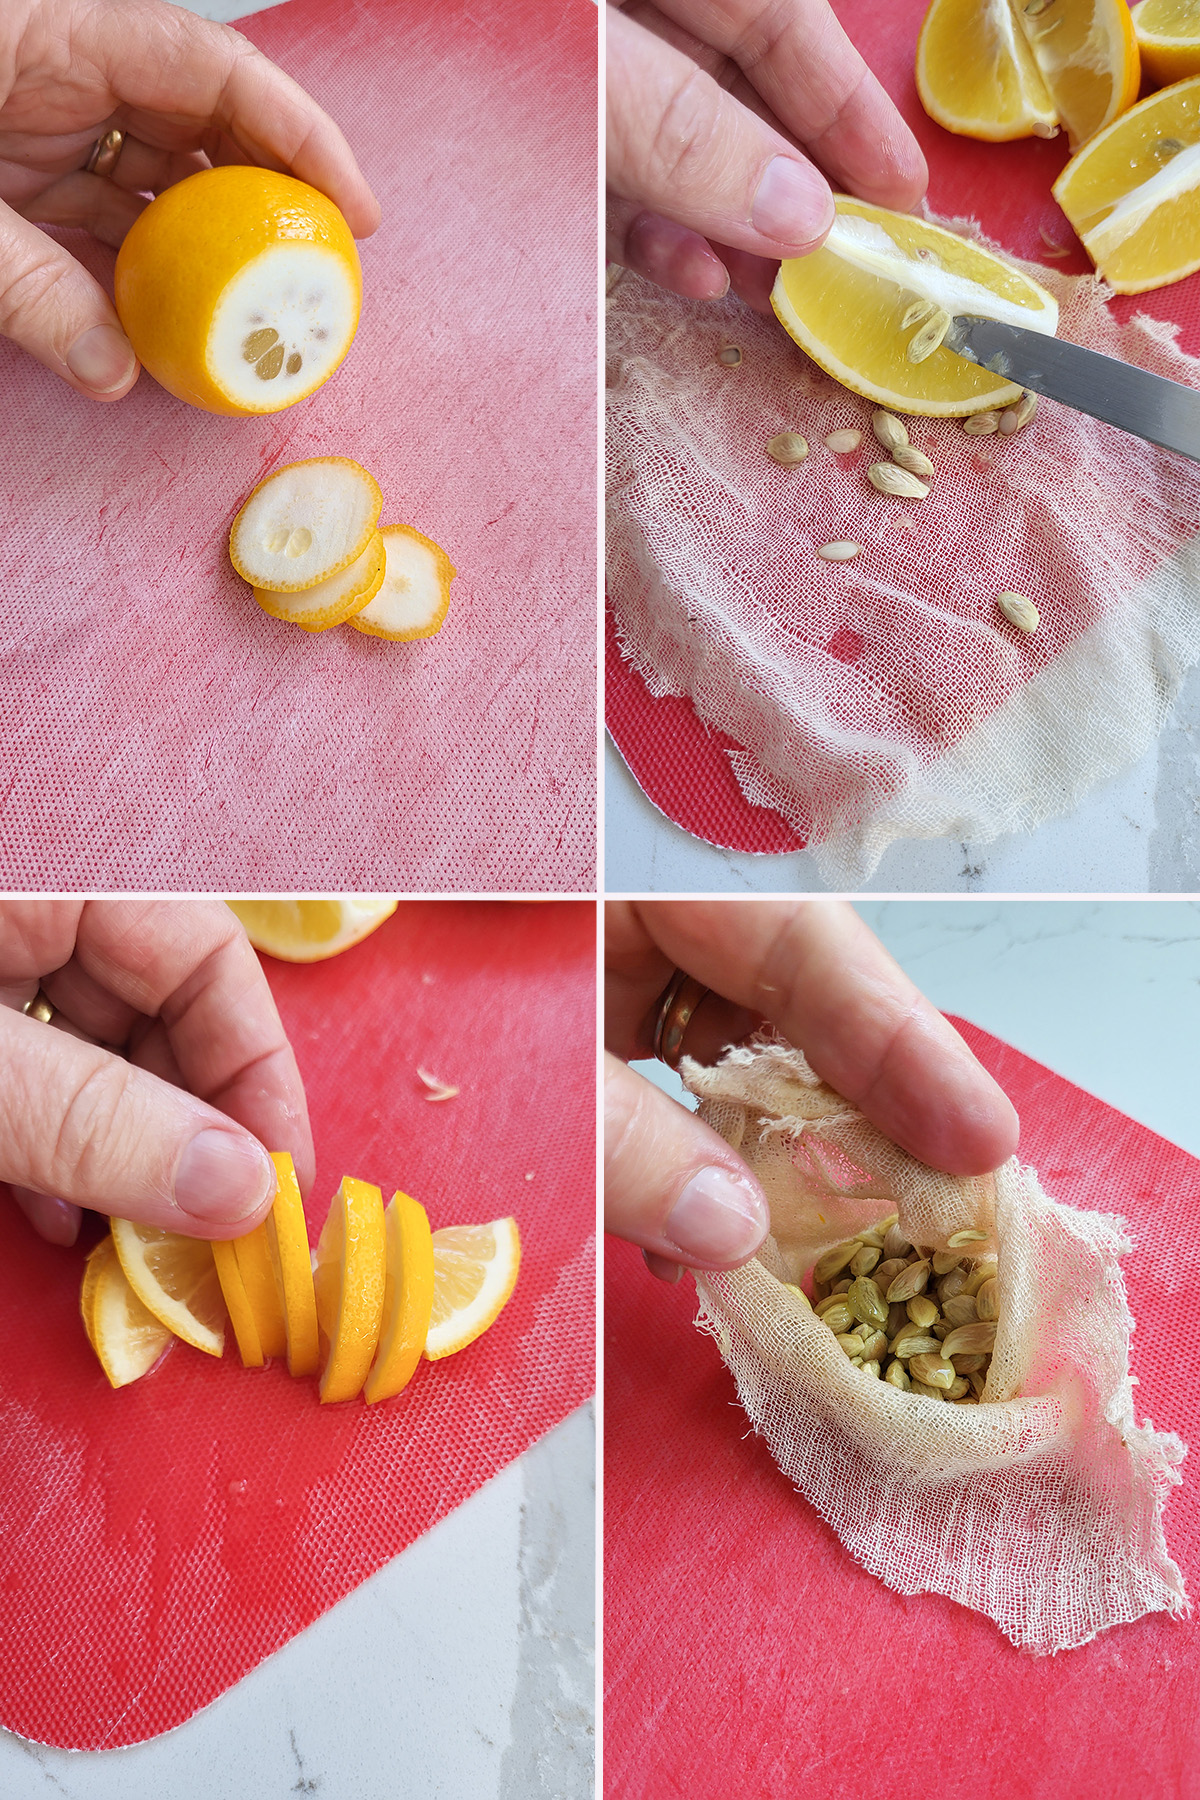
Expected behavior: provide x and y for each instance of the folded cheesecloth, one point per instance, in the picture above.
(159, 1540)
(157, 729)
(768, 700)
(870, 1577)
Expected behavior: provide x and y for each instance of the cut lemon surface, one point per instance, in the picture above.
(847, 304)
(1015, 68)
(256, 1266)
(237, 1305)
(407, 1298)
(334, 601)
(474, 1272)
(311, 930)
(239, 289)
(349, 1279)
(287, 1238)
(305, 523)
(1133, 192)
(176, 1278)
(125, 1335)
(1168, 36)
(414, 595)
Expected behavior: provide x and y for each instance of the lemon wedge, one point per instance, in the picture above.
(474, 1271)
(1168, 36)
(311, 930)
(125, 1335)
(175, 1277)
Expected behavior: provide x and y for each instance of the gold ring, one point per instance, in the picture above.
(105, 152)
(39, 1008)
(680, 999)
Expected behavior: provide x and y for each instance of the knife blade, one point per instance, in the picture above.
(1161, 411)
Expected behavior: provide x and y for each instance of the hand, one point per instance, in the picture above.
(162, 1017)
(813, 969)
(188, 94)
(708, 101)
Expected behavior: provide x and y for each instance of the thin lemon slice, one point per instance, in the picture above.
(407, 1298)
(311, 930)
(846, 305)
(474, 1272)
(349, 1279)
(976, 73)
(305, 523)
(1133, 192)
(287, 1236)
(176, 1278)
(256, 1266)
(334, 601)
(1168, 36)
(239, 289)
(125, 1335)
(414, 595)
(241, 1313)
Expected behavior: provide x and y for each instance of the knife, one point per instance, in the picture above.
(1164, 412)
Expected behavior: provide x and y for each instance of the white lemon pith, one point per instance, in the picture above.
(305, 523)
(414, 594)
(281, 327)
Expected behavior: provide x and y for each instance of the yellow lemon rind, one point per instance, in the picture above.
(407, 1298)
(237, 1304)
(336, 612)
(102, 1272)
(287, 1235)
(446, 574)
(349, 1280)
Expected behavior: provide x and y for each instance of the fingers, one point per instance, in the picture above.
(85, 1128)
(671, 1184)
(818, 973)
(89, 202)
(52, 308)
(682, 148)
(664, 252)
(55, 1220)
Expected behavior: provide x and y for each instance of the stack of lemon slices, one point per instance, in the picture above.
(382, 1291)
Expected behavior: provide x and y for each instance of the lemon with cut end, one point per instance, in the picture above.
(175, 1277)
(239, 289)
(414, 596)
(1168, 36)
(845, 305)
(474, 1272)
(125, 1335)
(311, 930)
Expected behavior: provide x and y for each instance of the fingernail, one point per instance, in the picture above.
(102, 359)
(718, 1218)
(222, 1177)
(793, 204)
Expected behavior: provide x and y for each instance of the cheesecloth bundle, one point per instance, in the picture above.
(1042, 1505)
(885, 697)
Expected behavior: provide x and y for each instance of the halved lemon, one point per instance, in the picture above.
(311, 930)
(287, 1238)
(125, 1335)
(1168, 36)
(1133, 192)
(1016, 68)
(407, 1298)
(846, 304)
(239, 289)
(176, 1278)
(414, 595)
(237, 1304)
(349, 1279)
(305, 523)
(474, 1272)
(334, 601)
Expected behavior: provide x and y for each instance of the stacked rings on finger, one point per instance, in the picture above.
(105, 153)
(39, 1008)
(679, 1001)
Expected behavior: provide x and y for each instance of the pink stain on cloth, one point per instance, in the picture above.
(741, 1634)
(946, 720)
(157, 1542)
(156, 728)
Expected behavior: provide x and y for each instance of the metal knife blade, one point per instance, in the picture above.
(1164, 412)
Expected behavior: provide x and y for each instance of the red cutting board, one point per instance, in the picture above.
(159, 1541)
(157, 730)
(681, 763)
(747, 1653)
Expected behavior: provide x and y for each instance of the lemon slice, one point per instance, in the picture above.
(256, 1266)
(311, 930)
(846, 305)
(304, 523)
(237, 1304)
(349, 1279)
(1168, 37)
(125, 1335)
(176, 1278)
(1133, 192)
(414, 595)
(287, 1237)
(474, 1272)
(330, 602)
(407, 1298)
(239, 289)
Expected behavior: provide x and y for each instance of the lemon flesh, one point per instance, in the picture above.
(414, 595)
(1168, 35)
(305, 523)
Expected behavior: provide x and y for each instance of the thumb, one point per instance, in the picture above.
(682, 147)
(86, 1127)
(670, 1183)
(53, 308)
